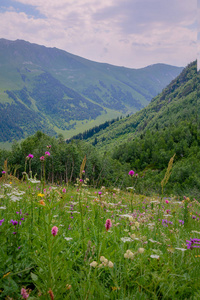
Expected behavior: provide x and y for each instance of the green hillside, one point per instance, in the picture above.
(178, 102)
(56, 92)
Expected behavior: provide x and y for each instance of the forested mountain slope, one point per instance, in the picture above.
(56, 92)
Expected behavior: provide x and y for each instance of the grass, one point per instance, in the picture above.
(143, 255)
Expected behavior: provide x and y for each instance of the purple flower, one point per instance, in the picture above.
(193, 243)
(181, 222)
(1, 222)
(81, 180)
(14, 222)
(24, 293)
(64, 190)
(42, 158)
(3, 172)
(100, 193)
(54, 230)
(131, 173)
(30, 156)
(108, 224)
(47, 153)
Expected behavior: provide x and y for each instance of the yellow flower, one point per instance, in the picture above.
(41, 195)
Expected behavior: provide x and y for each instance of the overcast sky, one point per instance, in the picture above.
(130, 33)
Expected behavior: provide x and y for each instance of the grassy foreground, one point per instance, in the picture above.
(60, 242)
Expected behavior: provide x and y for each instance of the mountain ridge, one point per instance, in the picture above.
(64, 93)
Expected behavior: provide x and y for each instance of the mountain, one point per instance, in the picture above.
(56, 92)
(168, 127)
(178, 102)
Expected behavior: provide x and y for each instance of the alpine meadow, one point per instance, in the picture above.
(100, 182)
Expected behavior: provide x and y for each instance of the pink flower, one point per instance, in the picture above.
(81, 180)
(3, 172)
(47, 153)
(54, 230)
(108, 224)
(30, 155)
(166, 201)
(49, 146)
(24, 293)
(64, 190)
(131, 173)
(42, 158)
(100, 193)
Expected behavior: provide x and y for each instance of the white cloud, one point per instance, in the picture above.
(133, 33)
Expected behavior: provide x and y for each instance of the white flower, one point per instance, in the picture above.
(2, 207)
(126, 239)
(129, 254)
(110, 264)
(34, 181)
(182, 249)
(154, 256)
(14, 198)
(93, 264)
(1, 196)
(68, 238)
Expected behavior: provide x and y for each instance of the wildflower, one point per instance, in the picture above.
(100, 193)
(154, 256)
(30, 156)
(47, 153)
(81, 180)
(14, 222)
(68, 286)
(131, 173)
(42, 158)
(93, 264)
(41, 195)
(129, 254)
(42, 202)
(126, 239)
(110, 264)
(64, 190)
(1, 222)
(193, 243)
(166, 201)
(137, 224)
(49, 146)
(54, 230)
(140, 250)
(3, 172)
(108, 224)
(181, 222)
(24, 293)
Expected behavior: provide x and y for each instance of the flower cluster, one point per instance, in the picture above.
(193, 243)
(129, 254)
(24, 293)
(54, 230)
(108, 224)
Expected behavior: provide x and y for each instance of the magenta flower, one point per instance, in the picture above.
(100, 193)
(54, 230)
(108, 224)
(81, 180)
(64, 190)
(24, 293)
(131, 173)
(3, 172)
(42, 158)
(47, 153)
(1, 221)
(30, 155)
(166, 201)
